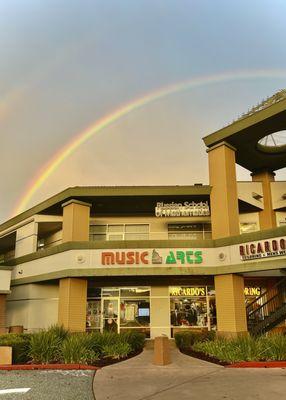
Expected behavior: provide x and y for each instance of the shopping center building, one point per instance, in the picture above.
(159, 259)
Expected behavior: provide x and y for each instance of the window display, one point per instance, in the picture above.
(116, 309)
(192, 307)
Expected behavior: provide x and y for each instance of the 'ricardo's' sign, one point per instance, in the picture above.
(263, 249)
(180, 257)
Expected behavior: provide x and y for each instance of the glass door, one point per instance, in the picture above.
(110, 309)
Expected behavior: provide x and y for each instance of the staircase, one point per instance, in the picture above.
(267, 310)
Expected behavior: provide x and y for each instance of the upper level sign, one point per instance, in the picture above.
(186, 209)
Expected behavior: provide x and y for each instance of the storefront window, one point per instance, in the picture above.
(189, 231)
(192, 307)
(119, 309)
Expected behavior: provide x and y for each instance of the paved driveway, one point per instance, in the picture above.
(186, 378)
(47, 385)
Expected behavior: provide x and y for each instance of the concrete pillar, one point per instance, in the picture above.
(72, 304)
(3, 313)
(224, 199)
(26, 239)
(230, 305)
(160, 311)
(267, 217)
(76, 221)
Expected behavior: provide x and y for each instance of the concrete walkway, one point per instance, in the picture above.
(186, 378)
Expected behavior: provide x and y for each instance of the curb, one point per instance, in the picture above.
(258, 364)
(32, 367)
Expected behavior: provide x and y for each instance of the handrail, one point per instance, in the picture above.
(263, 294)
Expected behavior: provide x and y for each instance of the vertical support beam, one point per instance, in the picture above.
(160, 311)
(72, 304)
(230, 305)
(224, 199)
(76, 221)
(3, 313)
(267, 218)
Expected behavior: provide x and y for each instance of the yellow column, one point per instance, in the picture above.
(224, 200)
(160, 311)
(3, 313)
(267, 218)
(230, 305)
(72, 304)
(76, 221)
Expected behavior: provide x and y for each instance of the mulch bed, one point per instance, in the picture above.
(104, 362)
(203, 356)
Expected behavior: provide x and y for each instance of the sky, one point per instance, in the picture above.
(65, 64)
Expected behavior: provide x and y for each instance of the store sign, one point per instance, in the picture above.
(174, 257)
(252, 291)
(188, 291)
(186, 209)
(263, 249)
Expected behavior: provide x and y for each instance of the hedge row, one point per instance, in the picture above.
(58, 345)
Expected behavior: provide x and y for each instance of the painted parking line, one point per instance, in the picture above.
(18, 390)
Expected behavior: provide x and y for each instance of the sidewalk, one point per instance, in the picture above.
(188, 378)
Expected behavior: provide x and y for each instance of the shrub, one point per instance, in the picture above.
(20, 346)
(273, 347)
(59, 331)
(245, 348)
(135, 339)
(45, 347)
(117, 350)
(79, 349)
(186, 339)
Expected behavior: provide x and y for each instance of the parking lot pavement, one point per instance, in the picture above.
(47, 385)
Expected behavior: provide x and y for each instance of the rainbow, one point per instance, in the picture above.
(47, 170)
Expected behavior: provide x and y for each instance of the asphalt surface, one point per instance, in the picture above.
(48, 385)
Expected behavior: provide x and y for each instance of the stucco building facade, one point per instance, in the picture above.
(159, 259)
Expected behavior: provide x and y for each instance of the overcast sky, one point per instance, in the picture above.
(66, 63)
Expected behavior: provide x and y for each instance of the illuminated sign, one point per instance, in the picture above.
(267, 248)
(188, 291)
(252, 291)
(174, 257)
(186, 209)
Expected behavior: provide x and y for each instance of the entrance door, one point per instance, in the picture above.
(110, 320)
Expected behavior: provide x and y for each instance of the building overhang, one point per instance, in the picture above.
(245, 133)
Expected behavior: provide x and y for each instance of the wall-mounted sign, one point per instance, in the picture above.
(252, 291)
(186, 209)
(263, 249)
(188, 291)
(174, 257)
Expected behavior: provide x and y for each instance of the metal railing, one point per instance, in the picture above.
(268, 309)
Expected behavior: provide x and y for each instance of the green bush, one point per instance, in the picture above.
(59, 331)
(246, 348)
(186, 339)
(135, 339)
(273, 347)
(20, 343)
(117, 350)
(79, 349)
(45, 347)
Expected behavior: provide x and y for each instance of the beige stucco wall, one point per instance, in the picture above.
(160, 311)
(249, 218)
(35, 306)
(26, 239)
(246, 190)
(281, 218)
(278, 189)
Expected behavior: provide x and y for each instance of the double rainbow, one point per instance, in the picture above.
(47, 170)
